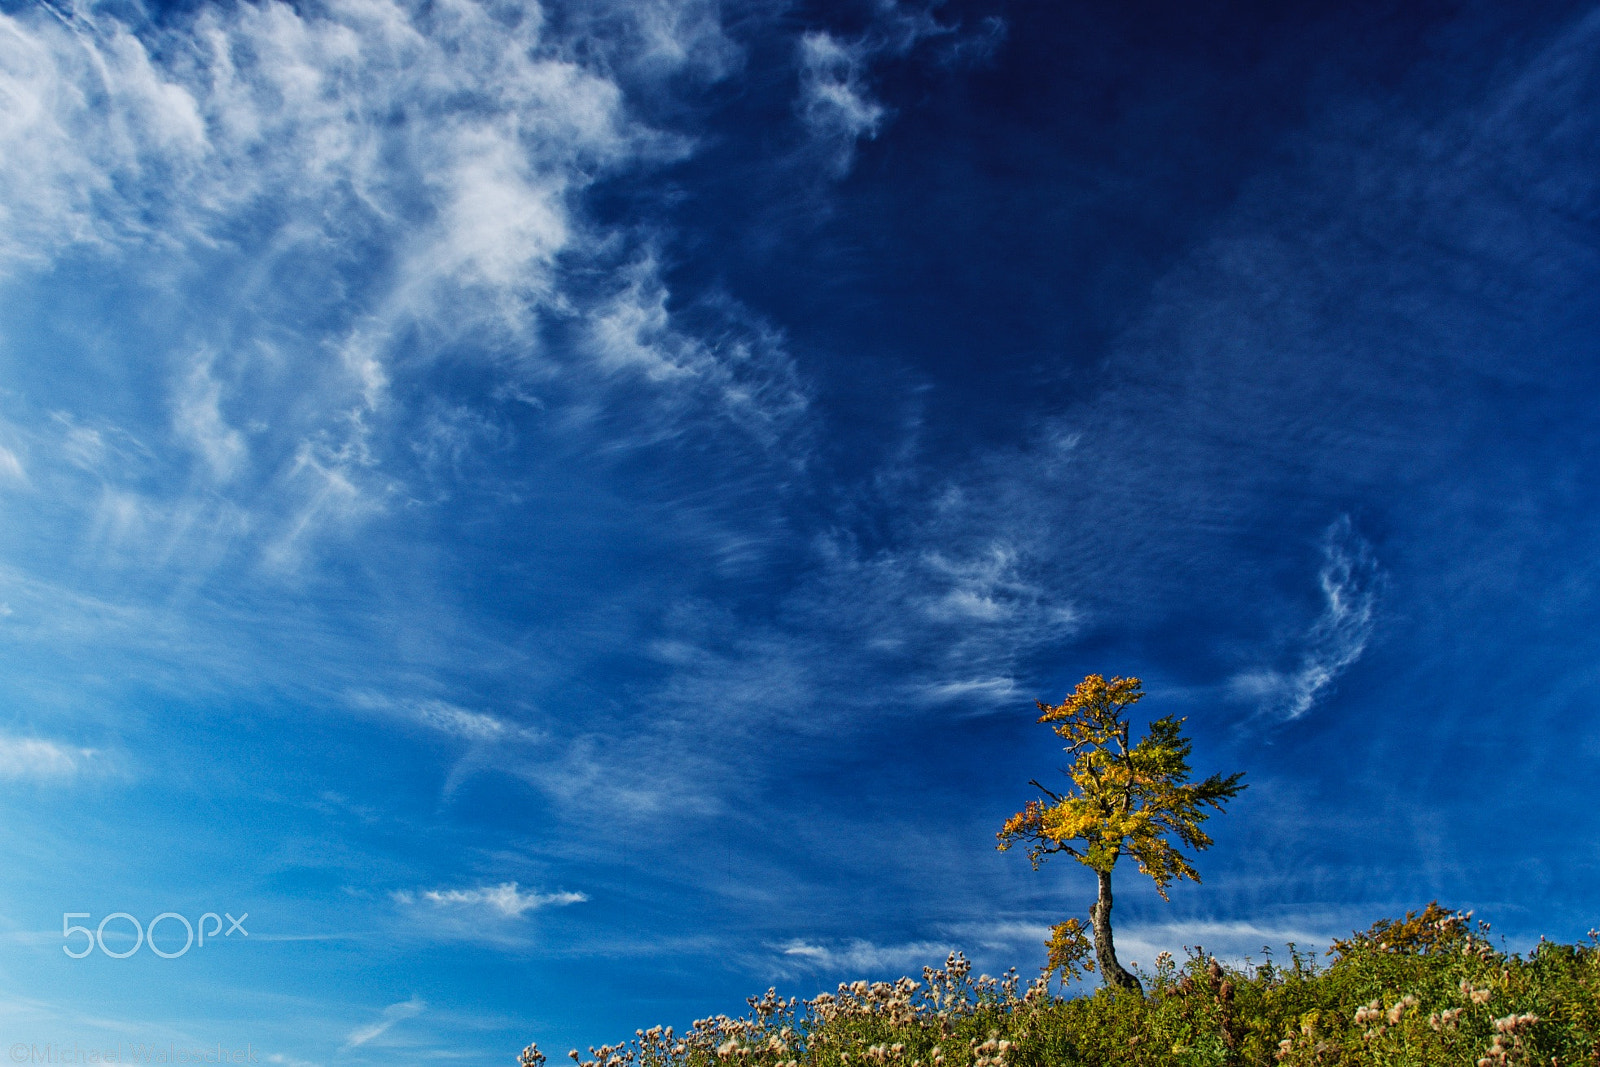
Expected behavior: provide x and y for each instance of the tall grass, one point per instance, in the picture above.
(1429, 990)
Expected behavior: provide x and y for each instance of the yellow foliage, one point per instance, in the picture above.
(1068, 949)
(1124, 798)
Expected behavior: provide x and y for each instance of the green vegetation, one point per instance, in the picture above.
(1428, 990)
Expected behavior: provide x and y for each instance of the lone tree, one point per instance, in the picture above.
(1124, 799)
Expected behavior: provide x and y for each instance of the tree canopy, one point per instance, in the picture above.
(1124, 798)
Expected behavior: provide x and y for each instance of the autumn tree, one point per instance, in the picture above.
(1123, 799)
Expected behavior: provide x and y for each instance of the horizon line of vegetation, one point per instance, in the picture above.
(1423, 991)
(1427, 990)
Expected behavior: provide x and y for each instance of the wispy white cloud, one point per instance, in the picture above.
(459, 722)
(1000, 935)
(730, 362)
(39, 759)
(446, 718)
(326, 198)
(652, 40)
(86, 107)
(493, 915)
(394, 1013)
(985, 587)
(11, 467)
(859, 956)
(834, 102)
(505, 899)
(936, 625)
(198, 417)
(289, 1061)
(988, 690)
(260, 143)
(1350, 582)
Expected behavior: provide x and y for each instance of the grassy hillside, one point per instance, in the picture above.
(1429, 989)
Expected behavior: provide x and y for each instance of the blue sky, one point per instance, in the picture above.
(562, 513)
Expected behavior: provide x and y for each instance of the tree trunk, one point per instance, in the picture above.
(1105, 953)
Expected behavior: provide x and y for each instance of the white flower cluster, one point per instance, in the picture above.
(778, 1034)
